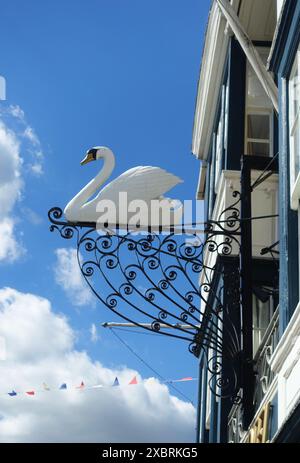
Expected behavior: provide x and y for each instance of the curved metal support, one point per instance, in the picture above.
(152, 280)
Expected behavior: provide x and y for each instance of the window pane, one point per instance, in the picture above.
(258, 149)
(262, 314)
(295, 149)
(294, 103)
(226, 115)
(256, 95)
(258, 126)
(294, 93)
(218, 152)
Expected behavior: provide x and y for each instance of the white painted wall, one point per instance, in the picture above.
(285, 363)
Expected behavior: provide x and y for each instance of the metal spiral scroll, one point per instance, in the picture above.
(154, 279)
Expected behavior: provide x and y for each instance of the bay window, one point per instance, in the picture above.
(294, 131)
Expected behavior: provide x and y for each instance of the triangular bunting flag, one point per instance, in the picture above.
(63, 386)
(133, 381)
(116, 382)
(12, 393)
(46, 387)
(81, 385)
(30, 392)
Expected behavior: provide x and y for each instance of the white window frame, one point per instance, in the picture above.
(258, 331)
(208, 391)
(294, 124)
(251, 111)
(219, 150)
(226, 115)
(258, 110)
(219, 140)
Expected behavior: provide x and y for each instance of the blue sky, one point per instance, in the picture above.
(120, 73)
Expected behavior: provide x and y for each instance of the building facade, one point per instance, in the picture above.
(249, 388)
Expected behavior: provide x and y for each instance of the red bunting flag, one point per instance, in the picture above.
(30, 392)
(133, 381)
(81, 385)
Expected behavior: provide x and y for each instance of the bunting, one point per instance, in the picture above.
(116, 382)
(133, 381)
(82, 386)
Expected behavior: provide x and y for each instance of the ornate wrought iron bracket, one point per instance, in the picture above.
(168, 281)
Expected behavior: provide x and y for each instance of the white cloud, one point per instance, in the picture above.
(94, 333)
(40, 347)
(17, 112)
(25, 133)
(31, 135)
(12, 168)
(37, 169)
(35, 148)
(10, 191)
(10, 249)
(32, 216)
(31, 331)
(68, 276)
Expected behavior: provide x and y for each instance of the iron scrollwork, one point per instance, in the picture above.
(153, 279)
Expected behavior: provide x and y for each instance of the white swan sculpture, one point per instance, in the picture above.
(142, 184)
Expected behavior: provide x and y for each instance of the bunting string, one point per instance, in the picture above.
(162, 379)
(82, 386)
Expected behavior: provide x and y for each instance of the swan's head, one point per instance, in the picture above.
(98, 152)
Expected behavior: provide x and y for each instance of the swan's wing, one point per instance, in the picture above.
(143, 182)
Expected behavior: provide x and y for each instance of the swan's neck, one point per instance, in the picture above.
(82, 197)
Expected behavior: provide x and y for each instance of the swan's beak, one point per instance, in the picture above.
(88, 158)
